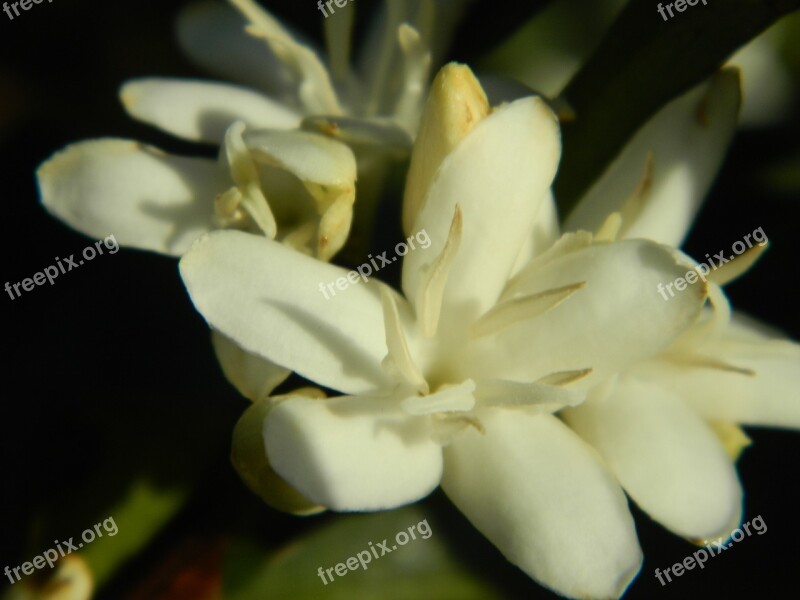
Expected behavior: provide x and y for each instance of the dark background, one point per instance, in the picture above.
(115, 350)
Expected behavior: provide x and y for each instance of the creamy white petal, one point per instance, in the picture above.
(273, 301)
(687, 140)
(545, 231)
(145, 198)
(499, 175)
(253, 376)
(542, 496)
(202, 111)
(315, 90)
(765, 396)
(351, 462)
(667, 459)
(326, 167)
(616, 320)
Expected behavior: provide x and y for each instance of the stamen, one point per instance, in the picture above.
(431, 291)
(338, 40)
(564, 377)
(394, 18)
(706, 362)
(455, 398)
(522, 309)
(399, 356)
(635, 204)
(244, 173)
(737, 267)
(417, 65)
(316, 91)
(509, 394)
(610, 228)
(566, 244)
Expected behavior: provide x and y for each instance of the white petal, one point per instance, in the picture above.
(254, 377)
(311, 157)
(273, 301)
(767, 87)
(688, 140)
(145, 198)
(202, 111)
(667, 459)
(769, 397)
(315, 89)
(326, 167)
(352, 461)
(499, 175)
(542, 496)
(616, 320)
(544, 233)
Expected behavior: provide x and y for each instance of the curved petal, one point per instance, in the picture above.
(147, 199)
(296, 311)
(249, 458)
(542, 496)
(327, 169)
(202, 111)
(762, 391)
(662, 175)
(352, 461)
(253, 376)
(667, 459)
(614, 317)
(213, 35)
(499, 175)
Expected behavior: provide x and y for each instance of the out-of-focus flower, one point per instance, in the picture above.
(668, 427)
(456, 380)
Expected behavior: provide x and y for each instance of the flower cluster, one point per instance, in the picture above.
(523, 365)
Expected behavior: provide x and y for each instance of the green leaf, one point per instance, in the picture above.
(421, 569)
(643, 63)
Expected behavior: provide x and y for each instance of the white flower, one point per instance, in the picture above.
(455, 381)
(667, 428)
(155, 201)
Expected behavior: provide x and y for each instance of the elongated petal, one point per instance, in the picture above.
(763, 393)
(145, 198)
(202, 111)
(616, 319)
(667, 459)
(499, 175)
(274, 302)
(351, 461)
(542, 496)
(687, 142)
(212, 34)
(253, 376)
(455, 105)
